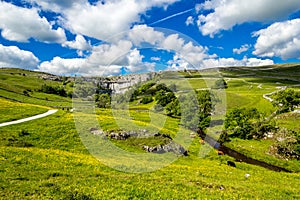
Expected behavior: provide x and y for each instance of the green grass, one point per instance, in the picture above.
(47, 158)
(289, 120)
(58, 166)
(15, 81)
(259, 150)
(10, 111)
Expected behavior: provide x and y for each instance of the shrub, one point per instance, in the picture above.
(147, 99)
(220, 84)
(103, 101)
(164, 98)
(287, 144)
(58, 90)
(287, 100)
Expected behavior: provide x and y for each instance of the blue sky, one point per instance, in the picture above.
(112, 37)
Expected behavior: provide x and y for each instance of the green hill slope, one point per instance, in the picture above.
(46, 159)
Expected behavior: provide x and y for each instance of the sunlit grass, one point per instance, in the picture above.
(10, 111)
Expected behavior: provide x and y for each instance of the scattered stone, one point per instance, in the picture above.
(95, 131)
(192, 135)
(170, 147)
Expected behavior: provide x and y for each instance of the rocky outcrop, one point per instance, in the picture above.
(162, 148)
(170, 147)
(123, 135)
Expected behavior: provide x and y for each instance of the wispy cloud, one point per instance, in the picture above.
(172, 16)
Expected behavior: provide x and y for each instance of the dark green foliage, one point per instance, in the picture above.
(173, 108)
(196, 109)
(146, 99)
(26, 93)
(163, 87)
(189, 111)
(247, 124)
(238, 121)
(144, 89)
(133, 95)
(16, 142)
(84, 89)
(102, 100)
(220, 84)
(287, 100)
(224, 137)
(206, 104)
(24, 133)
(58, 90)
(164, 98)
(287, 144)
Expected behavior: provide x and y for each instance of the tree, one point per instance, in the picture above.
(103, 101)
(248, 124)
(239, 122)
(287, 100)
(206, 104)
(58, 90)
(146, 99)
(163, 87)
(164, 98)
(220, 84)
(189, 111)
(144, 89)
(173, 108)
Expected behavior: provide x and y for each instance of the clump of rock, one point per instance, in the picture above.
(123, 135)
(171, 147)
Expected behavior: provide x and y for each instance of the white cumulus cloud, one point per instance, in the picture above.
(281, 39)
(228, 13)
(145, 34)
(189, 21)
(229, 62)
(242, 49)
(20, 24)
(12, 56)
(62, 66)
(79, 43)
(102, 19)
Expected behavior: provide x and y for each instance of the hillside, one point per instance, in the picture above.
(60, 156)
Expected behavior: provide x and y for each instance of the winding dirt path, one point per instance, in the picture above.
(49, 112)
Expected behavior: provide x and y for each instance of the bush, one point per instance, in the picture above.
(147, 99)
(164, 98)
(287, 144)
(103, 100)
(220, 84)
(26, 93)
(58, 90)
(248, 124)
(173, 108)
(224, 137)
(287, 100)
(145, 88)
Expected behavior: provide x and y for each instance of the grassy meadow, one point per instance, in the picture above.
(49, 158)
